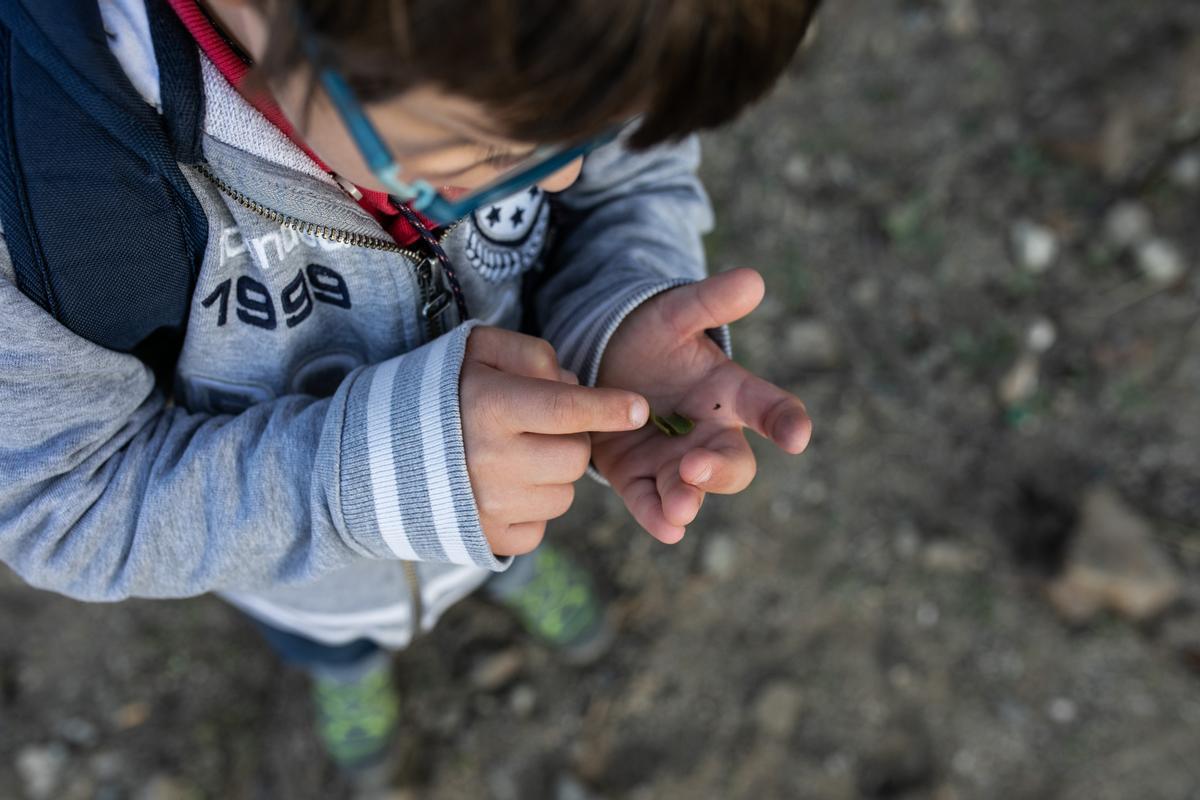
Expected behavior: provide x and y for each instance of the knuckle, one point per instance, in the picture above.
(545, 357)
(493, 532)
(564, 408)
(480, 337)
(492, 406)
(521, 539)
(562, 504)
(489, 505)
(533, 537)
(481, 461)
(579, 455)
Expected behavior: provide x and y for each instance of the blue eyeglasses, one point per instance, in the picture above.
(542, 163)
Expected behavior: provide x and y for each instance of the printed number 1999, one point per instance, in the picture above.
(256, 307)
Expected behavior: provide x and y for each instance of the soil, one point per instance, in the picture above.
(866, 620)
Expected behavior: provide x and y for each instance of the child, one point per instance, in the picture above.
(348, 433)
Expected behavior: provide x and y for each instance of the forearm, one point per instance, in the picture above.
(106, 493)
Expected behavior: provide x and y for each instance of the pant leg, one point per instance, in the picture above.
(512, 580)
(344, 662)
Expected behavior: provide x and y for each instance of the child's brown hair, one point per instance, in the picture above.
(555, 70)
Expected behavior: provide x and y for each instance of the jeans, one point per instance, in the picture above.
(354, 658)
(328, 660)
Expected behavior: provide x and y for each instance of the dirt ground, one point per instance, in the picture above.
(983, 342)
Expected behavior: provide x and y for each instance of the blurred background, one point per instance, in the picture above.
(980, 228)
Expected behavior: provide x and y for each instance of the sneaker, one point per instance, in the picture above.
(357, 716)
(555, 601)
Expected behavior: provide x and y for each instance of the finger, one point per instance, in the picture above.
(514, 353)
(519, 539)
(566, 376)
(642, 500)
(773, 413)
(727, 468)
(534, 406)
(543, 503)
(712, 302)
(553, 460)
(680, 501)
(526, 503)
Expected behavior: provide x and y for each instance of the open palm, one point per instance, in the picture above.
(662, 352)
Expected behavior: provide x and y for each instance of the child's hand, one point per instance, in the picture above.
(662, 351)
(525, 423)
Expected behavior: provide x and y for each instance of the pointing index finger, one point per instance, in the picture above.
(553, 407)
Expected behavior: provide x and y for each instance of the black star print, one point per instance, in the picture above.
(493, 216)
(533, 191)
(518, 216)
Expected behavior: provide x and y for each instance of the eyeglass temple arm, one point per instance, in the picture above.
(371, 144)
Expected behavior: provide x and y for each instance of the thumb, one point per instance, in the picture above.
(715, 301)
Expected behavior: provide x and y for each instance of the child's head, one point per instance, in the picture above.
(459, 88)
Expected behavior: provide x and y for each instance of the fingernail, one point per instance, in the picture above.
(639, 412)
(705, 474)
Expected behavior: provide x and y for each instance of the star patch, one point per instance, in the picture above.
(510, 220)
(506, 238)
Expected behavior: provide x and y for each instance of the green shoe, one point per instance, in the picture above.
(357, 719)
(555, 601)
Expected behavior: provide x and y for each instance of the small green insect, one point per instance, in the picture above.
(674, 425)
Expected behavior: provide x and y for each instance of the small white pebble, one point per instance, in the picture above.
(1041, 335)
(797, 170)
(1062, 710)
(1034, 246)
(720, 557)
(928, 615)
(782, 509)
(965, 762)
(814, 492)
(522, 700)
(1160, 261)
(1127, 224)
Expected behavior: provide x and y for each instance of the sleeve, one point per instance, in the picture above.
(628, 229)
(108, 491)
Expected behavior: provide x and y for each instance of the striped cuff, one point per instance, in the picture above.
(405, 489)
(583, 343)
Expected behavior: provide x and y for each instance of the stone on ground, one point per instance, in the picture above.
(1128, 224)
(1115, 564)
(1160, 262)
(1035, 247)
(41, 768)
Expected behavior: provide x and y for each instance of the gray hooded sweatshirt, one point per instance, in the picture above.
(311, 445)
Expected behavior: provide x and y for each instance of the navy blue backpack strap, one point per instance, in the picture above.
(103, 229)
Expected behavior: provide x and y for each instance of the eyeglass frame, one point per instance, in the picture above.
(545, 160)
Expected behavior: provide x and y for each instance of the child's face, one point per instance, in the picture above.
(442, 139)
(448, 141)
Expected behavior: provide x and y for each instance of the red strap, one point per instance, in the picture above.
(235, 70)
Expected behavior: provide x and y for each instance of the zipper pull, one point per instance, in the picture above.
(436, 305)
(346, 186)
(437, 298)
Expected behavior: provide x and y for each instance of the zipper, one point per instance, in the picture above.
(434, 298)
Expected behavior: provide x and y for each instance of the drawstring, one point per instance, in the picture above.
(440, 254)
